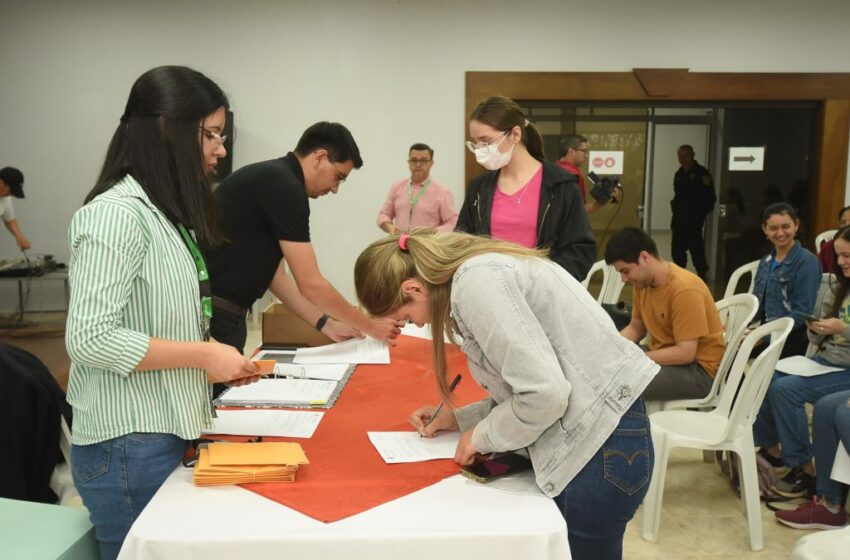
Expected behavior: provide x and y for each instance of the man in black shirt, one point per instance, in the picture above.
(693, 199)
(265, 213)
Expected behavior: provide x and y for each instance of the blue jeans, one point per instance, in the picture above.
(830, 426)
(782, 417)
(603, 497)
(118, 477)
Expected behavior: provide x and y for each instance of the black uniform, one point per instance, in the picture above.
(261, 204)
(693, 199)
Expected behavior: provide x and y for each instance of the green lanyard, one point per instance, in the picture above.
(203, 281)
(413, 200)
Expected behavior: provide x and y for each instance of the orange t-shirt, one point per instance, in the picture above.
(682, 309)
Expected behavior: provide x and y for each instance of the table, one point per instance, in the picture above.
(454, 518)
(56, 275)
(34, 531)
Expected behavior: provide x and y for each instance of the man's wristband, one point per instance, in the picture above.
(320, 324)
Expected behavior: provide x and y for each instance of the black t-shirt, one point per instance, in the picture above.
(259, 205)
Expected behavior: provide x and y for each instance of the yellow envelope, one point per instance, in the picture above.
(263, 453)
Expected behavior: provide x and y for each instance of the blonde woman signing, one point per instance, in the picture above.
(562, 382)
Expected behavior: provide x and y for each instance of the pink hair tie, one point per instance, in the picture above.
(402, 241)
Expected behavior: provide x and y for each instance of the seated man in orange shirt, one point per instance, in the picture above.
(675, 307)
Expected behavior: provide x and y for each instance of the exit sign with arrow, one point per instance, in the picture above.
(746, 159)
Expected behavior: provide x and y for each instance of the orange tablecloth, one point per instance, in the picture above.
(346, 475)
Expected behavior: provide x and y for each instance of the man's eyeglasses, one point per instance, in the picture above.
(472, 147)
(214, 137)
(414, 161)
(580, 150)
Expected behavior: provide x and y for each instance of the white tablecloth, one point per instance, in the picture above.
(453, 519)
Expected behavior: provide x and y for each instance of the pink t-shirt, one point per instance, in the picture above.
(514, 216)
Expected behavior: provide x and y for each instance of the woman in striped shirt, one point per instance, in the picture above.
(137, 331)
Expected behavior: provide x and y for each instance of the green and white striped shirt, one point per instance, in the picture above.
(132, 278)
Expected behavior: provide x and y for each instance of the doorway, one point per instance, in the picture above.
(647, 138)
(829, 93)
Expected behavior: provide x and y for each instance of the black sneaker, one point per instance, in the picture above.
(796, 484)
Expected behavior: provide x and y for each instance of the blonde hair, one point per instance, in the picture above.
(432, 259)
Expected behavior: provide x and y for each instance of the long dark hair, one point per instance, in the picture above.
(158, 143)
(503, 114)
(842, 282)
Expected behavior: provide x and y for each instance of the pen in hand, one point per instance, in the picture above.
(452, 386)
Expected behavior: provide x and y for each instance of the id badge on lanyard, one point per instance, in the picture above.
(413, 200)
(203, 281)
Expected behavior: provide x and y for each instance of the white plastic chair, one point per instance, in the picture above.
(824, 236)
(612, 284)
(749, 268)
(728, 427)
(736, 312)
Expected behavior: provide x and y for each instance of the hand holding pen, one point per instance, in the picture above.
(425, 419)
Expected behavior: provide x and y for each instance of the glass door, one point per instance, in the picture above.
(668, 134)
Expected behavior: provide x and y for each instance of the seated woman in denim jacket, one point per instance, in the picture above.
(787, 280)
(781, 426)
(562, 382)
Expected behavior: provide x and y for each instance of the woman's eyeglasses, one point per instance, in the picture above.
(472, 147)
(219, 139)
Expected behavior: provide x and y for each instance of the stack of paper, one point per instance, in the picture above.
(263, 422)
(239, 463)
(279, 393)
(351, 351)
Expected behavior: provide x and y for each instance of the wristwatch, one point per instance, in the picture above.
(320, 324)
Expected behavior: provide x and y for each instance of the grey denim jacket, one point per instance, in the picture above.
(835, 349)
(558, 374)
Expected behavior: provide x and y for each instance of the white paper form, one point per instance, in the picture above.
(802, 366)
(280, 392)
(409, 447)
(352, 351)
(278, 423)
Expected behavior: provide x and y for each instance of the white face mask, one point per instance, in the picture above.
(491, 158)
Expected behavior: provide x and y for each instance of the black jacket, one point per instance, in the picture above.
(31, 404)
(562, 223)
(693, 197)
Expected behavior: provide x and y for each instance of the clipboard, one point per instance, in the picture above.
(226, 397)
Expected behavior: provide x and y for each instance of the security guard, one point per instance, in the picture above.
(693, 199)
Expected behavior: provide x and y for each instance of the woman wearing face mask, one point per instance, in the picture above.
(523, 198)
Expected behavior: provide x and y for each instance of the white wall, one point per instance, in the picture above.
(392, 71)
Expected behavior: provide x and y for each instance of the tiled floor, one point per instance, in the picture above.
(701, 518)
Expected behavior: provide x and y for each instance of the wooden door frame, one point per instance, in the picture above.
(830, 91)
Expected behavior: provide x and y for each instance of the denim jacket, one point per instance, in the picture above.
(558, 374)
(792, 285)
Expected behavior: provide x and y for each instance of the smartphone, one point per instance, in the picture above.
(500, 465)
(804, 316)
